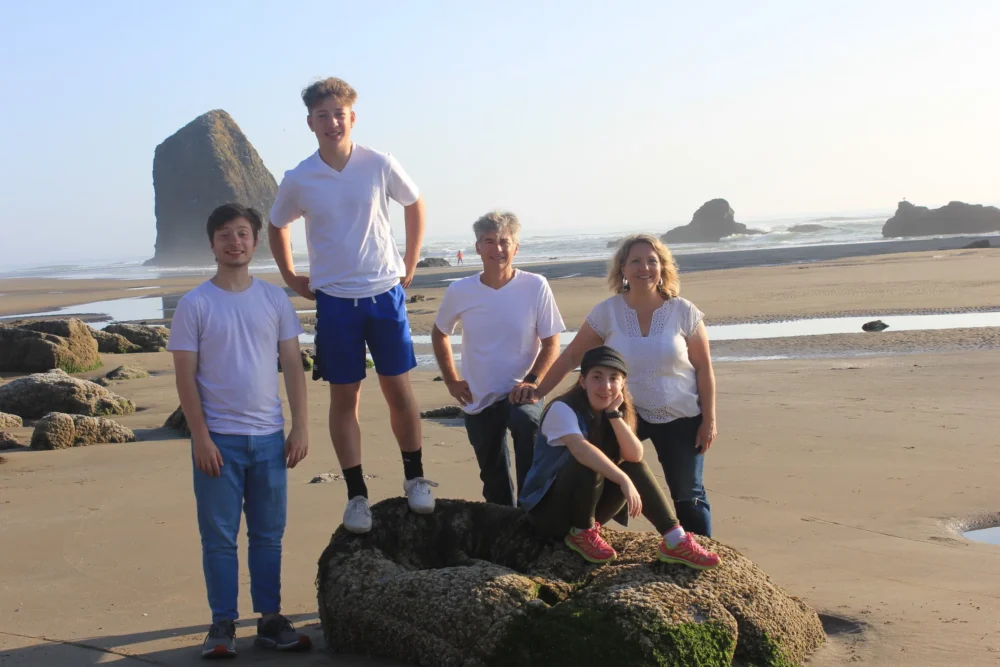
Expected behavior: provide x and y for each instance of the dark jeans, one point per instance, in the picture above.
(683, 466)
(488, 434)
(579, 496)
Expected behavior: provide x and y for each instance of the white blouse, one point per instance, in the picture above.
(661, 377)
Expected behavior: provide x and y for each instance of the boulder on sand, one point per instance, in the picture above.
(472, 585)
(8, 441)
(711, 223)
(43, 345)
(111, 343)
(954, 218)
(61, 431)
(34, 396)
(206, 163)
(127, 373)
(429, 262)
(178, 422)
(147, 338)
(874, 325)
(10, 421)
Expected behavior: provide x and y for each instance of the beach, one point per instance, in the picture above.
(846, 468)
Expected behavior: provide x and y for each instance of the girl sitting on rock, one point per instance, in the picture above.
(588, 466)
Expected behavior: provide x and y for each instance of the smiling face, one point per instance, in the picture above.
(603, 386)
(497, 250)
(642, 268)
(233, 243)
(331, 121)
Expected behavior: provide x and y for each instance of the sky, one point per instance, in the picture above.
(576, 115)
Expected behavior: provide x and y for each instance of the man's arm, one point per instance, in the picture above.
(415, 217)
(280, 240)
(297, 442)
(523, 391)
(457, 387)
(206, 455)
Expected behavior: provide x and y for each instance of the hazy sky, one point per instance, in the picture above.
(577, 115)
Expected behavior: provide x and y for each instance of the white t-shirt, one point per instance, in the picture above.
(660, 375)
(236, 336)
(559, 421)
(352, 253)
(501, 331)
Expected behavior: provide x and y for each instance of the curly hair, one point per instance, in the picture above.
(670, 282)
(338, 89)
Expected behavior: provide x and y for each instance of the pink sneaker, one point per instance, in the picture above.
(589, 544)
(689, 553)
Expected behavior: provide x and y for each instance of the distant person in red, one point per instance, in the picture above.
(460, 262)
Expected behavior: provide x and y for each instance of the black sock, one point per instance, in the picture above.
(413, 465)
(355, 482)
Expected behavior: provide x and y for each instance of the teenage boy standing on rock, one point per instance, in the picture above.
(224, 337)
(357, 279)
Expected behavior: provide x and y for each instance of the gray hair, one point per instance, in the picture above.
(500, 222)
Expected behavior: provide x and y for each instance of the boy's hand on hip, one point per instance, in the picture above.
(301, 286)
(407, 279)
(207, 457)
(296, 447)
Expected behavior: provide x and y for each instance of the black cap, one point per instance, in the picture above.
(603, 356)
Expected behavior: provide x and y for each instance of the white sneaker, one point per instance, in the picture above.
(358, 515)
(418, 494)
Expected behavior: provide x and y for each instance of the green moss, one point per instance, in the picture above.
(369, 363)
(71, 366)
(569, 634)
(766, 653)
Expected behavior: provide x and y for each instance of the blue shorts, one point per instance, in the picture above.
(345, 326)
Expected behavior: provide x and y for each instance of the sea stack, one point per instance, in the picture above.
(711, 223)
(206, 163)
(953, 218)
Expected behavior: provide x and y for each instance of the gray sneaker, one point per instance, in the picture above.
(279, 634)
(220, 642)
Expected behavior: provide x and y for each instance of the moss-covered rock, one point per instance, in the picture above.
(146, 338)
(32, 346)
(178, 422)
(61, 431)
(112, 343)
(34, 396)
(472, 585)
(127, 373)
(10, 421)
(8, 441)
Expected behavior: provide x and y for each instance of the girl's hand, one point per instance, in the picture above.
(632, 497)
(619, 400)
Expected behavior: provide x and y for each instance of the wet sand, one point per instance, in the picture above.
(844, 478)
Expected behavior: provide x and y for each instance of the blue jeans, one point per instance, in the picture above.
(488, 434)
(683, 466)
(254, 479)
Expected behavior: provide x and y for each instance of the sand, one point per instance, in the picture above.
(844, 477)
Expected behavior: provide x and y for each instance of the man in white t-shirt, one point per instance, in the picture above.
(227, 336)
(357, 278)
(510, 336)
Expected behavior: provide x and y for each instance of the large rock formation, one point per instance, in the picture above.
(471, 585)
(28, 347)
(110, 343)
(206, 163)
(954, 218)
(34, 396)
(711, 223)
(432, 262)
(61, 431)
(146, 338)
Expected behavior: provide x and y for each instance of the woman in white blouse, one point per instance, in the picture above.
(664, 342)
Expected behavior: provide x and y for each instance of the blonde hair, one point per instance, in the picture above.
(670, 282)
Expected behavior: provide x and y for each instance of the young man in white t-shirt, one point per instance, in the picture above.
(510, 336)
(357, 278)
(227, 336)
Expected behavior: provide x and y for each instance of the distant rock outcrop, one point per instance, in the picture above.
(954, 218)
(711, 223)
(975, 245)
(427, 262)
(28, 347)
(206, 163)
(61, 431)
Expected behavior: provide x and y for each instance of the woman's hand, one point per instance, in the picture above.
(617, 403)
(706, 435)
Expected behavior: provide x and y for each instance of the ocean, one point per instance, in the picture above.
(534, 248)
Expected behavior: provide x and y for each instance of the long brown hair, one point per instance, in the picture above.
(599, 432)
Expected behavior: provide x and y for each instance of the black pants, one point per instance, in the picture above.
(579, 496)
